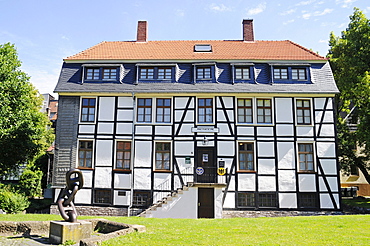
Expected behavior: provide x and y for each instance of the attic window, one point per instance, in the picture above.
(202, 48)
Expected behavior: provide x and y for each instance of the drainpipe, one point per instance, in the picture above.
(132, 156)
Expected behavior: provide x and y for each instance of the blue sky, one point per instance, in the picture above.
(46, 31)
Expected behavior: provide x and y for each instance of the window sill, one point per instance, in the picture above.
(246, 171)
(122, 170)
(306, 172)
(162, 171)
(85, 168)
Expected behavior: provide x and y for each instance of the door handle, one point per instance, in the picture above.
(198, 204)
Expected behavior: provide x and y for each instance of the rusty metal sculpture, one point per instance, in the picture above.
(75, 181)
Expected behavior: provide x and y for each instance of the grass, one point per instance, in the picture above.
(314, 230)
(357, 202)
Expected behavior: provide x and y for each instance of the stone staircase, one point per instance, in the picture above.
(164, 205)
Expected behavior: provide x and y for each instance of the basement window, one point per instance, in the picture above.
(202, 48)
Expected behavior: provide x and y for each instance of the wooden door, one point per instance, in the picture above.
(206, 205)
(206, 160)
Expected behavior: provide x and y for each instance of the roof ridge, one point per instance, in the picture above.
(310, 51)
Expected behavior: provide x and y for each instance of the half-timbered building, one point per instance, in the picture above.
(189, 129)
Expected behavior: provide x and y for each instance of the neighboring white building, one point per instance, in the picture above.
(143, 119)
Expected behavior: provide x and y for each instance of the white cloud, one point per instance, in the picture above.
(345, 3)
(305, 2)
(316, 13)
(259, 9)
(44, 81)
(219, 8)
(288, 12)
(288, 22)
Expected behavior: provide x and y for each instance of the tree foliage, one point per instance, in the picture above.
(30, 182)
(350, 60)
(24, 131)
(12, 201)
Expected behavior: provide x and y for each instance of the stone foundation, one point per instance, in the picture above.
(255, 214)
(94, 211)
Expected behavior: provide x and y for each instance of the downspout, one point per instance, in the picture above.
(132, 156)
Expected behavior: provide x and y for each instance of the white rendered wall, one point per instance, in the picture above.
(286, 156)
(122, 180)
(284, 112)
(103, 177)
(104, 152)
(287, 200)
(83, 196)
(143, 153)
(121, 200)
(106, 109)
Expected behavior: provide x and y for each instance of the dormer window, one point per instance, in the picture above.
(147, 73)
(202, 48)
(109, 73)
(242, 73)
(156, 72)
(92, 73)
(204, 73)
(101, 72)
(299, 74)
(281, 73)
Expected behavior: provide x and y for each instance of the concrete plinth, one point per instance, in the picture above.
(61, 231)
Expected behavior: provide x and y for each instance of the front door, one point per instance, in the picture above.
(206, 206)
(206, 161)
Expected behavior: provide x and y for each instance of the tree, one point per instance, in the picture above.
(350, 60)
(24, 130)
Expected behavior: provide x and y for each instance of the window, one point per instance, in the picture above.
(147, 73)
(85, 149)
(245, 111)
(305, 154)
(103, 196)
(299, 74)
(204, 73)
(141, 198)
(246, 157)
(162, 156)
(303, 112)
(202, 48)
(281, 73)
(205, 110)
(123, 152)
(92, 73)
(164, 73)
(264, 111)
(307, 200)
(110, 74)
(242, 73)
(246, 199)
(144, 110)
(267, 200)
(88, 110)
(163, 110)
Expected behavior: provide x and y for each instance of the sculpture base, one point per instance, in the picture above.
(62, 231)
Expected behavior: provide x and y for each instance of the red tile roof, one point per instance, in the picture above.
(184, 50)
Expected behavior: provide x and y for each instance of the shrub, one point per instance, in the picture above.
(30, 182)
(11, 201)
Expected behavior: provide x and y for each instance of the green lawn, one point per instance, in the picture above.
(315, 230)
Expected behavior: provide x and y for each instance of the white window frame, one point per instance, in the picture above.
(92, 153)
(213, 111)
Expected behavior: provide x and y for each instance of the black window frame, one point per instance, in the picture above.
(148, 104)
(161, 150)
(121, 155)
(206, 113)
(246, 199)
(267, 200)
(306, 162)
(246, 152)
(87, 105)
(243, 109)
(303, 112)
(264, 109)
(141, 198)
(308, 200)
(85, 147)
(243, 69)
(162, 103)
(105, 198)
(202, 71)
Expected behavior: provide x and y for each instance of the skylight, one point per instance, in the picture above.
(202, 48)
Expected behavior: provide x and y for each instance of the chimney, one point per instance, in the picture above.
(248, 30)
(142, 31)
